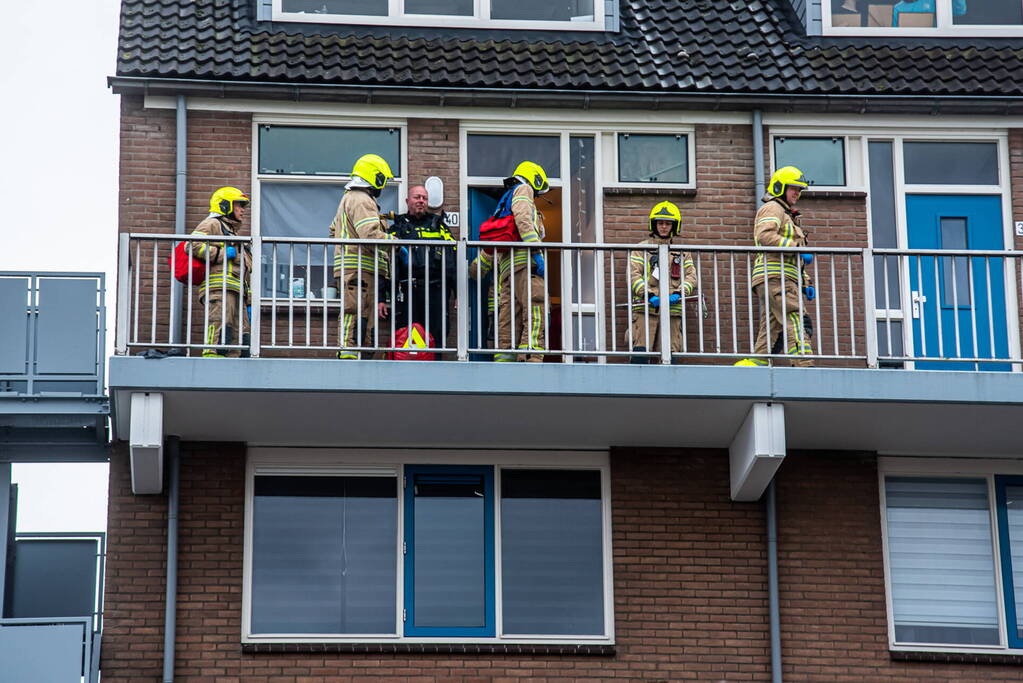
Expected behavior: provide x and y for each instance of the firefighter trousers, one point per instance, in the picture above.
(358, 311)
(520, 315)
(782, 311)
(224, 317)
(646, 329)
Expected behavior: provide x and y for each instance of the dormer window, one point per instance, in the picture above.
(923, 17)
(583, 15)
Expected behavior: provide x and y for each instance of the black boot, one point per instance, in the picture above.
(247, 340)
(639, 360)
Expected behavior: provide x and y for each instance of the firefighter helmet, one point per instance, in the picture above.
(223, 200)
(785, 177)
(666, 211)
(533, 174)
(373, 169)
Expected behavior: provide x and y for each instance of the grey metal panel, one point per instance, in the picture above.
(814, 22)
(41, 652)
(54, 578)
(264, 10)
(612, 16)
(67, 326)
(13, 325)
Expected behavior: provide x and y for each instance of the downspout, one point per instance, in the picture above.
(170, 609)
(774, 612)
(181, 179)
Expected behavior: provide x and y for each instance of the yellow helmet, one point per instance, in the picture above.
(373, 169)
(666, 211)
(533, 174)
(785, 176)
(223, 200)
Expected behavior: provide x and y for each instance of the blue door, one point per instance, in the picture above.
(958, 303)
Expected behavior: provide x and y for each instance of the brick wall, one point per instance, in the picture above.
(689, 579)
(433, 150)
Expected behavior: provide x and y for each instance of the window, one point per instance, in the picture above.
(496, 156)
(646, 158)
(950, 539)
(951, 163)
(924, 17)
(526, 14)
(822, 160)
(424, 551)
(301, 173)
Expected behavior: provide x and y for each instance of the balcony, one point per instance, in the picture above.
(912, 349)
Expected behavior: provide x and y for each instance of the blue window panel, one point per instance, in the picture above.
(449, 552)
(1009, 497)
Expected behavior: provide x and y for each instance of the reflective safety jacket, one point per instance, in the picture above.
(358, 217)
(777, 225)
(429, 226)
(645, 273)
(221, 269)
(529, 223)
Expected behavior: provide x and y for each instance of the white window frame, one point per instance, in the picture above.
(609, 140)
(373, 462)
(852, 151)
(396, 16)
(944, 26)
(972, 468)
(399, 181)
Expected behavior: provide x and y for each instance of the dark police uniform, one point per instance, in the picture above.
(436, 281)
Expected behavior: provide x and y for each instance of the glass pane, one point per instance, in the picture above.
(496, 156)
(987, 12)
(883, 13)
(953, 236)
(941, 561)
(458, 8)
(295, 150)
(542, 10)
(1014, 509)
(302, 210)
(324, 555)
(375, 8)
(886, 347)
(450, 547)
(584, 227)
(653, 158)
(951, 163)
(552, 552)
(822, 160)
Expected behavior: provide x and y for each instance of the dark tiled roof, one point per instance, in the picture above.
(687, 46)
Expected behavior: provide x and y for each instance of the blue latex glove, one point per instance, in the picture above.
(655, 301)
(538, 262)
(403, 254)
(232, 253)
(248, 312)
(675, 298)
(807, 258)
(810, 292)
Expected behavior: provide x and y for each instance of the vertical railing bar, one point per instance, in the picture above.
(273, 294)
(731, 297)
(699, 300)
(990, 310)
(749, 300)
(717, 307)
(613, 311)
(834, 305)
(767, 310)
(922, 307)
(955, 306)
(394, 291)
(578, 277)
(870, 326)
(462, 314)
(479, 298)
(291, 295)
(683, 323)
(599, 325)
(188, 293)
(426, 289)
(799, 330)
(646, 302)
(309, 293)
(852, 307)
(628, 290)
(783, 285)
(255, 295)
(206, 304)
(326, 307)
(156, 288)
(495, 278)
(546, 304)
(664, 312)
(359, 331)
(226, 269)
(123, 302)
(443, 298)
(175, 310)
(138, 287)
(817, 299)
(973, 308)
(887, 307)
(937, 307)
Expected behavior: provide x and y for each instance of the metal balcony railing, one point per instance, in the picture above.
(873, 307)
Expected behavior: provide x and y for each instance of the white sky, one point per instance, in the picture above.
(58, 190)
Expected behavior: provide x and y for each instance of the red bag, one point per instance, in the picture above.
(500, 227)
(416, 339)
(186, 266)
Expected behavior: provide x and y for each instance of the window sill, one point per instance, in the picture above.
(956, 657)
(650, 191)
(429, 648)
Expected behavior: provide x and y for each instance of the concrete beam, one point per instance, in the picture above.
(757, 451)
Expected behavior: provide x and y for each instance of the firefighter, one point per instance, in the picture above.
(361, 272)
(777, 225)
(664, 223)
(520, 274)
(430, 272)
(229, 264)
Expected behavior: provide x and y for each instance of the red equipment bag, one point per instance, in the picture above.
(186, 266)
(416, 339)
(500, 227)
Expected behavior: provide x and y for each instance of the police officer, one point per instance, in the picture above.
(361, 271)
(229, 265)
(777, 276)
(430, 272)
(645, 273)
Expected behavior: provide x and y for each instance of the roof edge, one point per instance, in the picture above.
(571, 99)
